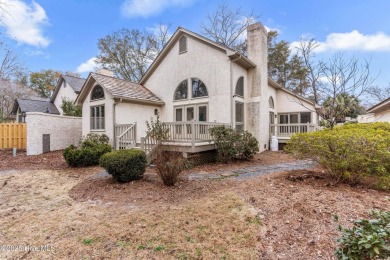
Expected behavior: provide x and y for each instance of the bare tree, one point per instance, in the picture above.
(336, 84)
(9, 91)
(227, 26)
(10, 65)
(378, 94)
(129, 53)
(305, 50)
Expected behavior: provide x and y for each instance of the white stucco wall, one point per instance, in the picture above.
(383, 116)
(200, 61)
(108, 103)
(63, 131)
(368, 118)
(130, 113)
(287, 103)
(65, 91)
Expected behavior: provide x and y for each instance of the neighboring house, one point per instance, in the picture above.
(377, 113)
(22, 106)
(195, 84)
(68, 87)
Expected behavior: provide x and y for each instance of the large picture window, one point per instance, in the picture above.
(97, 118)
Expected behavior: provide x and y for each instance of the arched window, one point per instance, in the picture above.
(240, 87)
(97, 93)
(198, 88)
(181, 91)
(271, 102)
(183, 44)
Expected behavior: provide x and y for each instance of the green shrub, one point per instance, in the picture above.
(93, 139)
(82, 157)
(350, 153)
(367, 239)
(232, 144)
(89, 151)
(125, 165)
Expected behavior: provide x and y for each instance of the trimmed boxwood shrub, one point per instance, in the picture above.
(89, 151)
(350, 153)
(125, 165)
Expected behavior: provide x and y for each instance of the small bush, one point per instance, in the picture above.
(93, 139)
(232, 145)
(367, 239)
(350, 153)
(125, 165)
(169, 165)
(89, 152)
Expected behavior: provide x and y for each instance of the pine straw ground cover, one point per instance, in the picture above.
(279, 216)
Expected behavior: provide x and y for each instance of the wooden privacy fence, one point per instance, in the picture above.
(13, 135)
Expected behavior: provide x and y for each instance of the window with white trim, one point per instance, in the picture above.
(240, 87)
(97, 93)
(239, 116)
(181, 91)
(97, 117)
(198, 88)
(271, 102)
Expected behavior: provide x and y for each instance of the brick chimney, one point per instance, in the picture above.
(257, 108)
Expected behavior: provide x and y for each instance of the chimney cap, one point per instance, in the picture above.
(256, 26)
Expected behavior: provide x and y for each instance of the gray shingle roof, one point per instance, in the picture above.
(31, 105)
(75, 82)
(126, 89)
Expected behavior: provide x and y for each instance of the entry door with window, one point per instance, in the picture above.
(188, 113)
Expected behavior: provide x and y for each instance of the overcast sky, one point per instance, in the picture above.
(63, 35)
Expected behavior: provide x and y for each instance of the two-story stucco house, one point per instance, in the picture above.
(194, 84)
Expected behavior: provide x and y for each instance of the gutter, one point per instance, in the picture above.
(114, 120)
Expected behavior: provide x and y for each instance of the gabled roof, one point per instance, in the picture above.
(232, 54)
(120, 88)
(75, 82)
(33, 105)
(277, 86)
(381, 106)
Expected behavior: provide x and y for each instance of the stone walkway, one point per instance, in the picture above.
(254, 171)
(242, 173)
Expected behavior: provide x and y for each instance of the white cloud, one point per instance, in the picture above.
(88, 66)
(24, 22)
(146, 8)
(353, 41)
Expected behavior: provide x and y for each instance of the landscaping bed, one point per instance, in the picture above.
(83, 213)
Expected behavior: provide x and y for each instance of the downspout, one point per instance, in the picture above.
(232, 91)
(114, 120)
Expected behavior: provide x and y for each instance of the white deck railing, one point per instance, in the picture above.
(287, 130)
(126, 136)
(190, 133)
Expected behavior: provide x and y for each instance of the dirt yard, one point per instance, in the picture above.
(81, 213)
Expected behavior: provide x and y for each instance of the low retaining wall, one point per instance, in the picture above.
(46, 132)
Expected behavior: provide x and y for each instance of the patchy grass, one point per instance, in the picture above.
(37, 210)
(278, 216)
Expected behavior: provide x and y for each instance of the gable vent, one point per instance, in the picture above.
(183, 44)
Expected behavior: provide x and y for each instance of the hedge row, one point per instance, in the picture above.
(350, 153)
